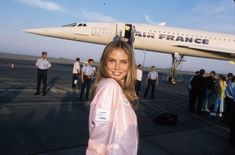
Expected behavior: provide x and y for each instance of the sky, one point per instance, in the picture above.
(16, 15)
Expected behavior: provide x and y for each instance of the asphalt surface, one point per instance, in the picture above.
(58, 123)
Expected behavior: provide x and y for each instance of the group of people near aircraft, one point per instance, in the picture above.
(215, 95)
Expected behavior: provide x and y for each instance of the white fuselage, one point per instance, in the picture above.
(150, 37)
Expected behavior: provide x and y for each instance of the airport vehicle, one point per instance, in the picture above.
(178, 42)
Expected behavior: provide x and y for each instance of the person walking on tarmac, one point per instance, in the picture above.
(42, 65)
(139, 74)
(76, 71)
(86, 77)
(152, 81)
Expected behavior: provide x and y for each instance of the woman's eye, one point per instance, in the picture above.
(124, 62)
(110, 60)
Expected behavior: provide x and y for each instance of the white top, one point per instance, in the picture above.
(153, 75)
(139, 74)
(88, 70)
(76, 67)
(43, 64)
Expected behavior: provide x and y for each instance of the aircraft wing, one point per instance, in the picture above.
(206, 48)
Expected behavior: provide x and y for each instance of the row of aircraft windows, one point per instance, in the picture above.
(170, 33)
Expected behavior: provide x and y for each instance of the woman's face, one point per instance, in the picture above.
(117, 64)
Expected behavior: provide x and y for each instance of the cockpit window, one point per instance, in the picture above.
(70, 25)
(75, 24)
(81, 24)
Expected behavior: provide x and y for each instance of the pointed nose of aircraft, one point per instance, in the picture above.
(50, 32)
(40, 31)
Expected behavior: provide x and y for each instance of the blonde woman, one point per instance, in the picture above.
(113, 126)
(220, 95)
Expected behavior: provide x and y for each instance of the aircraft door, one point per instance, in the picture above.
(128, 28)
(124, 31)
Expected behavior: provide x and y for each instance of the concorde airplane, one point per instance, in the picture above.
(157, 38)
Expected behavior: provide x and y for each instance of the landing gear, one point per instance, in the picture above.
(176, 61)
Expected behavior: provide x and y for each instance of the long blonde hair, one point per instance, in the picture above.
(128, 86)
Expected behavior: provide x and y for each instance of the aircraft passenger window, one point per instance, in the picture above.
(144, 34)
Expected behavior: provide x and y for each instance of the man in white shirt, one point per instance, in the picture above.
(152, 81)
(87, 74)
(42, 65)
(139, 74)
(76, 72)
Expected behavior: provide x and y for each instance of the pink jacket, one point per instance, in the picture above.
(112, 122)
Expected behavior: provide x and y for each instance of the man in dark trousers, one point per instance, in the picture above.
(152, 81)
(228, 100)
(42, 65)
(232, 114)
(210, 82)
(198, 91)
(76, 72)
(139, 74)
(86, 77)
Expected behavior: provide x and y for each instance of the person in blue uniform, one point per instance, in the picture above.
(152, 81)
(42, 65)
(87, 74)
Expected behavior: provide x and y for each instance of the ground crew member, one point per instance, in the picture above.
(42, 65)
(86, 78)
(76, 71)
(152, 81)
(139, 74)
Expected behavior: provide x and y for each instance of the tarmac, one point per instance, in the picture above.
(57, 124)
